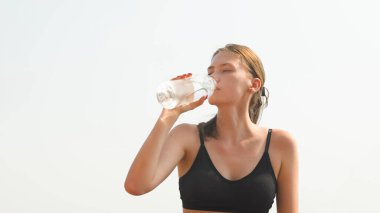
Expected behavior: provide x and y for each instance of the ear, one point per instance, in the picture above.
(255, 85)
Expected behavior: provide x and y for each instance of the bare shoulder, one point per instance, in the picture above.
(185, 127)
(284, 143)
(185, 133)
(183, 130)
(287, 179)
(187, 137)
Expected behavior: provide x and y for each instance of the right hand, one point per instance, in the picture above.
(183, 108)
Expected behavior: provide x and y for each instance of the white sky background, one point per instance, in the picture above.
(77, 95)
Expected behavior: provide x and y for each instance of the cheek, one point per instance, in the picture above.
(223, 97)
(236, 87)
(232, 87)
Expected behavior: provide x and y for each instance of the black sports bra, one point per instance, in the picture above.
(204, 188)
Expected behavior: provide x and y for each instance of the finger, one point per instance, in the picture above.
(183, 76)
(194, 104)
(198, 102)
(175, 78)
(188, 75)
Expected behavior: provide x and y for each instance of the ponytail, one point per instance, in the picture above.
(258, 103)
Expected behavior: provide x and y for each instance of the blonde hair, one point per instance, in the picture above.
(255, 67)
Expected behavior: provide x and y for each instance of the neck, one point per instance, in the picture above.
(234, 124)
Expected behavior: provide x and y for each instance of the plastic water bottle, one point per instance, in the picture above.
(173, 93)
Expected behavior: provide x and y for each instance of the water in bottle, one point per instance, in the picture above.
(173, 93)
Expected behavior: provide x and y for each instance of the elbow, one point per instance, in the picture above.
(132, 188)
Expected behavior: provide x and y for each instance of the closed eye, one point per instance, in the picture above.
(223, 71)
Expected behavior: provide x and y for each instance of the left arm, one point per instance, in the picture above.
(287, 181)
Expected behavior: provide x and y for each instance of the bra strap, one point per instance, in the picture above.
(268, 140)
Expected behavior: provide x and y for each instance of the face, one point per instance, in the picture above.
(233, 81)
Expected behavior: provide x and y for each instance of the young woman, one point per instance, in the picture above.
(228, 164)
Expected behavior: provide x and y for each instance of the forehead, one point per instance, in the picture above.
(225, 57)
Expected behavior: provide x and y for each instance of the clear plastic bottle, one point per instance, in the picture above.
(173, 93)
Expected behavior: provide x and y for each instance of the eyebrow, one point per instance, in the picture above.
(224, 64)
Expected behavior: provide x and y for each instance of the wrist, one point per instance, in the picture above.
(170, 116)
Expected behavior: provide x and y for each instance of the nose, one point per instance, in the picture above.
(217, 79)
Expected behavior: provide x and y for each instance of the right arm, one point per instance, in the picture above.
(161, 152)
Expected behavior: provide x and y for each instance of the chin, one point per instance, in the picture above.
(213, 100)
